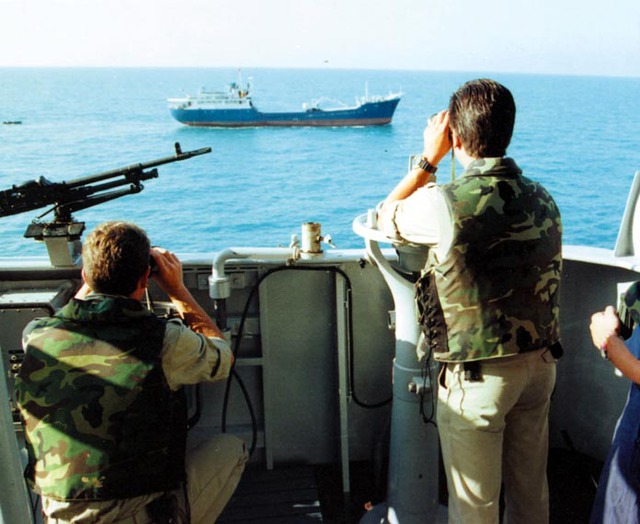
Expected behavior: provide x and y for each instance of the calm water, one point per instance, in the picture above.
(577, 135)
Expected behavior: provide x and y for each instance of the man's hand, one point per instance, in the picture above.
(169, 278)
(168, 274)
(604, 325)
(437, 138)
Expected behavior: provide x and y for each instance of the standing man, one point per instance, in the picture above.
(100, 393)
(489, 304)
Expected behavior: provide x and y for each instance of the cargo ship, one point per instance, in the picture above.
(234, 107)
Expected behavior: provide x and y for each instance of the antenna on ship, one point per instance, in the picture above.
(241, 88)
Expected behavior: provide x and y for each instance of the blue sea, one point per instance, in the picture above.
(579, 136)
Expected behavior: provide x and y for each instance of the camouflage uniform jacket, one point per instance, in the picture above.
(100, 420)
(496, 291)
(629, 310)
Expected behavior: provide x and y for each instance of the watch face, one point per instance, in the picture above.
(416, 161)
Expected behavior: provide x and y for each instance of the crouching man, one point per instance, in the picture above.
(100, 393)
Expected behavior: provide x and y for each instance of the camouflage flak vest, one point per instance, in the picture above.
(496, 291)
(100, 420)
(629, 310)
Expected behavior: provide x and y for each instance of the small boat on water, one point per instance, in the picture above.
(234, 108)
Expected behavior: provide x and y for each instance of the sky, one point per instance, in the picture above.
(585, 37)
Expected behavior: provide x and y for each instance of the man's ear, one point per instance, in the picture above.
(455, 139)
(143, 282)
(144, 279)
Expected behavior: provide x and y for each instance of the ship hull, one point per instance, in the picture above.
(368, 114)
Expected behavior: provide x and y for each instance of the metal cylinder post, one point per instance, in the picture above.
(412, 486)
(311, 237)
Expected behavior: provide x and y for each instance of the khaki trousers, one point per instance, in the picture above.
(213, 467)
(496, 430)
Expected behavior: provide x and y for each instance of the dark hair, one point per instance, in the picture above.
(482, 113)
(115, 256)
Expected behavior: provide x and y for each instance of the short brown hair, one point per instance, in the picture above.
(482, 113)
(115, 255)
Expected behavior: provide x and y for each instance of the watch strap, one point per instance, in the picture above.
(424, 164)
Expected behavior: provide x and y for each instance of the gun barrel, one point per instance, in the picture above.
(35, 194)
(138, 168)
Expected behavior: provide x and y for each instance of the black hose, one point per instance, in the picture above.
(236, 348)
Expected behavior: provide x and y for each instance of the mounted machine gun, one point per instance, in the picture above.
(62, 235)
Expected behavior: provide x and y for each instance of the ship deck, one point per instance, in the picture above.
(313, 493)
(294, 368)
(300, 494)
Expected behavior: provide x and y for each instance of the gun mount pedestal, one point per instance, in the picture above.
(412, 485)
(62, 241)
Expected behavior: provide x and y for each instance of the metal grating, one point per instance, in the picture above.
(283, 496)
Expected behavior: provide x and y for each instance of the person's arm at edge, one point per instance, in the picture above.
(604, 333)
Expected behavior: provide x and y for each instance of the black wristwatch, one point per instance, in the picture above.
(424, 164)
